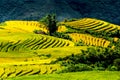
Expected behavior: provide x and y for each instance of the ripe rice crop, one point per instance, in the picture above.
(33, 43)
(61, 29)
(14, 71)
(27, 26)
(92, 24)
(89, 40)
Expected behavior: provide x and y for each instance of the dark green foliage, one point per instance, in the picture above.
(116, 33)
(39, 32)
(77, 67)
(80, 43)
(61, 35)
(98, 58)
(117, 63)
(45, 55)
(70, 20)
(112, 68)
(98, 68)
(117, 44)
(51, 22)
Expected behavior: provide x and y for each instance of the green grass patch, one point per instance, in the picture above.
(87, 75)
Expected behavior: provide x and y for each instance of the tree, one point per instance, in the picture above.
(51, 22)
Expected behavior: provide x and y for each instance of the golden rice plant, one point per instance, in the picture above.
(113, 47)
(115, 39)
(34, 42)
(92, 24)
(22, 70)
(61, 29)
(1, 71)
(89, 40)
(29, 26)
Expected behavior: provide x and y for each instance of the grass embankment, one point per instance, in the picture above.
(86, 75)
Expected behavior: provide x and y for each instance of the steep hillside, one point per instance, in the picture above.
(86, 44)
(92, 24)
(107, 10)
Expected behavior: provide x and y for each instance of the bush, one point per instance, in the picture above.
(112, 68)
(61, 35)
(77, 68)
(70, 20)
(80, 43)
(39, 32)
(97, 58)
(117, 63)
(99, 69)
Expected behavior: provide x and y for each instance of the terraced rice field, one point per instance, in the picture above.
(89, 40)
(33, 43)
(20, 70)
(24, 53)
(39, 63)
(92, 24)
(24, 26)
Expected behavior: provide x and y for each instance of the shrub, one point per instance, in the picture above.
(61, 35)
(77, 67)
(70, 20)
(39, 32)
(117, 63)
(80, 43)
(112, 68)
(98, 68)
(97, 58)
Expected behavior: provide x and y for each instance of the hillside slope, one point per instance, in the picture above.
(34, 9)
(81, 45)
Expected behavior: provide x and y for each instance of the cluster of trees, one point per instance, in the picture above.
(92, 59)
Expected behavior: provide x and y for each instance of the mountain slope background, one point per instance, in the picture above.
(107, 10)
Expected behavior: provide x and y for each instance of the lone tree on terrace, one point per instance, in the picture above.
(51, 22)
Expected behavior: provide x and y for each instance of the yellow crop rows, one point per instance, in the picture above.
(28, 26)
(92, 24)
(32, 42)
(23, 52)
(89, 40)
(14, 71)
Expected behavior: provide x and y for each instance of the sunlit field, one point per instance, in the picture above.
(82, 49)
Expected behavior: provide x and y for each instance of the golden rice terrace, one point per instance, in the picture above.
(25, 53)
